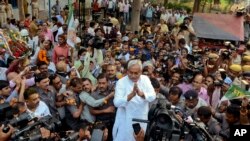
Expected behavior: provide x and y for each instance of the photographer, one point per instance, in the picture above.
(96, 45)
(6, 136)
(192, 103)
(211, 124)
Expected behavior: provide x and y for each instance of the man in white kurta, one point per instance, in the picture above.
(132, 96)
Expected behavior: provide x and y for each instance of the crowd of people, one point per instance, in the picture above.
(111, 75)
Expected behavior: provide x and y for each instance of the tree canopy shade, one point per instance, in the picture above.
(219, 26)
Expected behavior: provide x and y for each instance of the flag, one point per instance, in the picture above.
(235, 92)
(71, 35)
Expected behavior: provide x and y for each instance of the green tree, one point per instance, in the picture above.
(196, 6)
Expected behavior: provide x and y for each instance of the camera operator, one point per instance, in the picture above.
(96, 44)
(192, 103)
(234, 74)
(45, 134)
(174, 97)
(156, 85)
(6, 136)
(211, 124)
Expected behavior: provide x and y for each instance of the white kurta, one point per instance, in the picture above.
(137, 107)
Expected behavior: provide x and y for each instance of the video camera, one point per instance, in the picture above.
(31, 132)
(98, 42)
(7, 112)
(163, 124)
(226, 54)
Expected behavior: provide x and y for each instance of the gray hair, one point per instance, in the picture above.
(135, 62)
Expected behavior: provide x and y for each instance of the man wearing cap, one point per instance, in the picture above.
(192, 103)
(234, 74)
(211, 66)
(246, 60)
(246, 76)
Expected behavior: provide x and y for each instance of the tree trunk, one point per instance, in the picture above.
(165, 2)
(136, 9)
(21, 10)
(204, 5)
(196, 6)
(216, 1)
(210, 7)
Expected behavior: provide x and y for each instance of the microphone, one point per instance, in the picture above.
(140, 120)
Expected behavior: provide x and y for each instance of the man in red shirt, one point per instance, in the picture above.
(27, 20)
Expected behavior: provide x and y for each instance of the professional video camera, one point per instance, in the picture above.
(86, 37)
(9, 115)
(7, 112)
(226, 54)
(96, 130)
(18, 122)
(31, 132)
(98, 42)
(173, 55)
(163, 125)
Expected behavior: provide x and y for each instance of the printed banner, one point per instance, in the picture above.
(235, 92)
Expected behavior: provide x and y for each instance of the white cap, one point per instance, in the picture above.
(125, 38)
(78, 40)
(24, 32)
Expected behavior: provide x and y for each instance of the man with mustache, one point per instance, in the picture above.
(106, 112)
(34, 105)
(86, 97)
(46, 92)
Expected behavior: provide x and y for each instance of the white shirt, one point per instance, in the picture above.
(3, 73)
(91, 31)
(33, 59)
(164, 16)
(120, 5)
(126, 56)
(59, 32)
(110, 4)
(60, 19)
(42, 110)
(137, 107)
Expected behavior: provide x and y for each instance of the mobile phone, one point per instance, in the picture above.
(97, 135)
(137, 128)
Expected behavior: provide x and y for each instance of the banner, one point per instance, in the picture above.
(71, 35)
(235, 92)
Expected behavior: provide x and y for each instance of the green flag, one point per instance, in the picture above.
(235, 92)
